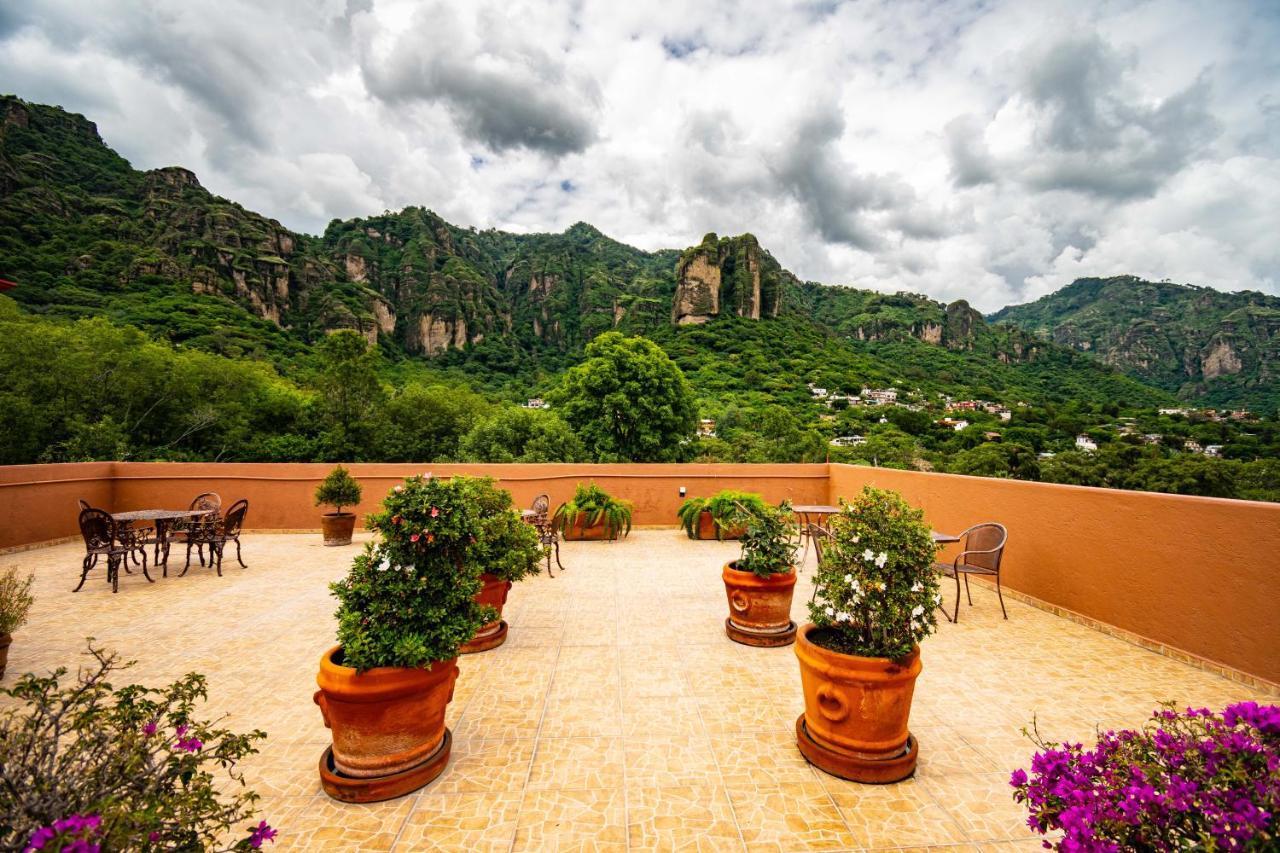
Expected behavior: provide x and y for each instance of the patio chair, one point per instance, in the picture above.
(818, 535)
(983, 549)
(217, 534)
(548, 536)
(127, 534)
(179, 528)
(101, 539)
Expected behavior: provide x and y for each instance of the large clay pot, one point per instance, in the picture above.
(759, 607)
(5, 640)
(707, 528)
(855, 712)
(580, 532)
(337, 527)
(493, 593)
(386, 720)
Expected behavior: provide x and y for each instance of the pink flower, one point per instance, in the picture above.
(413, 538)
(260, 833)
(435, 512)
(149, 729)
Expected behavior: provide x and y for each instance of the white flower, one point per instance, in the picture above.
(857, 539)
(848, 578)
(842, 616)
(917, 586)
(937, 597)
(831, 611)
(868, 555)
(881, 560)
(384, 565)
(399, 488)
(918, 610)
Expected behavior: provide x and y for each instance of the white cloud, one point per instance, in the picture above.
(964, 150)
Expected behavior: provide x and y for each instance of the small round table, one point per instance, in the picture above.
(807, 513)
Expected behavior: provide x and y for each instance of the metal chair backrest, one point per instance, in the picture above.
(819, 536)
(541, 505)
(235, 518)
(98, 529)
(208, 500)
(988, 539)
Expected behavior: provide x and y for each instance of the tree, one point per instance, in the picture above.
(628, 401)
(997, 460)
(351, 395)
(516, 434)
(427, 424)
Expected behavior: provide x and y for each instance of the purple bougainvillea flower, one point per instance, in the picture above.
(260, 833)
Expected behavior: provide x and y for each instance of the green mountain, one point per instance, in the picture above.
(87, 235)
(1214, 348)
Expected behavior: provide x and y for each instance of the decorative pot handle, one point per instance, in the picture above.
(318, 698)
(739, 602)
(831, 703)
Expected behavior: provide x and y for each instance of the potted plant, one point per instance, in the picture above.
(507, 549)
(721, 516)
(593, 514)
(337, 490)
(1192, 780)
(859, 656)
(405, 607)
(15, 602)
(759, 584)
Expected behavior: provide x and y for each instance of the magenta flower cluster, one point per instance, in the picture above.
(73, 834)
(1190, 780)
(260, 833)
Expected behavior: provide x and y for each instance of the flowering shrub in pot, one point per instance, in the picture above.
(507, 549)
(337, 490)
(1191, 780)
(405, 608)
(760, 583)
(721, 516)
(89, 766)
(15, 603)
(593, 513)
(859, 656)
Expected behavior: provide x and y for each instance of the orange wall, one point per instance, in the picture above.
(1198, 574)
(38, 502)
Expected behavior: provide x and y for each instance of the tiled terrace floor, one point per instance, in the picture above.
(617, 716)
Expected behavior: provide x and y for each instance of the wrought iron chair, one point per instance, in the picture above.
(217, 534)
(983, 550)
(179, 531)
(548, 536)
(126, 534)
(101, 539)
(818, 535)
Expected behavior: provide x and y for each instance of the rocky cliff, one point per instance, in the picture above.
(730, 275)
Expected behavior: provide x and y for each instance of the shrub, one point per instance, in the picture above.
(595, 504)
(339, 489)
(1192, 780)
(506, 545)
(729, 510)
(15, 600)
(769, 542)
(876, 588)
(410, 600)
(120, 769)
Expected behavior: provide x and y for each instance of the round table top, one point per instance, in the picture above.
(943, 538)
(815, 509)
(160, 514)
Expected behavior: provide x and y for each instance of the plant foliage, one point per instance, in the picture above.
(339, 489)
(128, 768)
(506, 545)
(729, 510)
(409, 600)
(15, 600)
(595, 506)
(770, 541)
(876, 587)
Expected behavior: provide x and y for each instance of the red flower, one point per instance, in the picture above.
(435, 512)
(413, 538)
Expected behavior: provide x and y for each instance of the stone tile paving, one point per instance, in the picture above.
(617, 716)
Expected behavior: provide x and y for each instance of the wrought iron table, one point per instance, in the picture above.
(163, 519)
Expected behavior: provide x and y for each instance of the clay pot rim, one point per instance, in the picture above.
(327, 660)
(729, 568)
(338, 515)
(822, 657)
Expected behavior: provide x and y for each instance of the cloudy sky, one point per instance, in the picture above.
(981, 150)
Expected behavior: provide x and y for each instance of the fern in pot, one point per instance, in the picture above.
(722, 516)
(593, 513)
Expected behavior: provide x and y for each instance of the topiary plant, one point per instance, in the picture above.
(729, 510)
(409, 601)
(89, 766)
(595, 505)
(506, 545)
(876, 588)
(339, 489)
(770, 541)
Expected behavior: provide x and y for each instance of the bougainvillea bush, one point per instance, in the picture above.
(876, 587)
(90, 767)
(1195, 780)
(409, 600)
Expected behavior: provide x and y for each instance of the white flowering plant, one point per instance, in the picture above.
(876, 590)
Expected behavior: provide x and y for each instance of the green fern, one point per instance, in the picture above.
(596, 506)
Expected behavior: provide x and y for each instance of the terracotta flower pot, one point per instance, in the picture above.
(5, 640)
(579, 531)
(337, 527)
(386, 720)
(493, 593)
(759, 607)
(707, 528)
(855, 712)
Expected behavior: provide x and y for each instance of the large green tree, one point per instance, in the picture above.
(352, 396)
(628, 401)
(515, 434)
